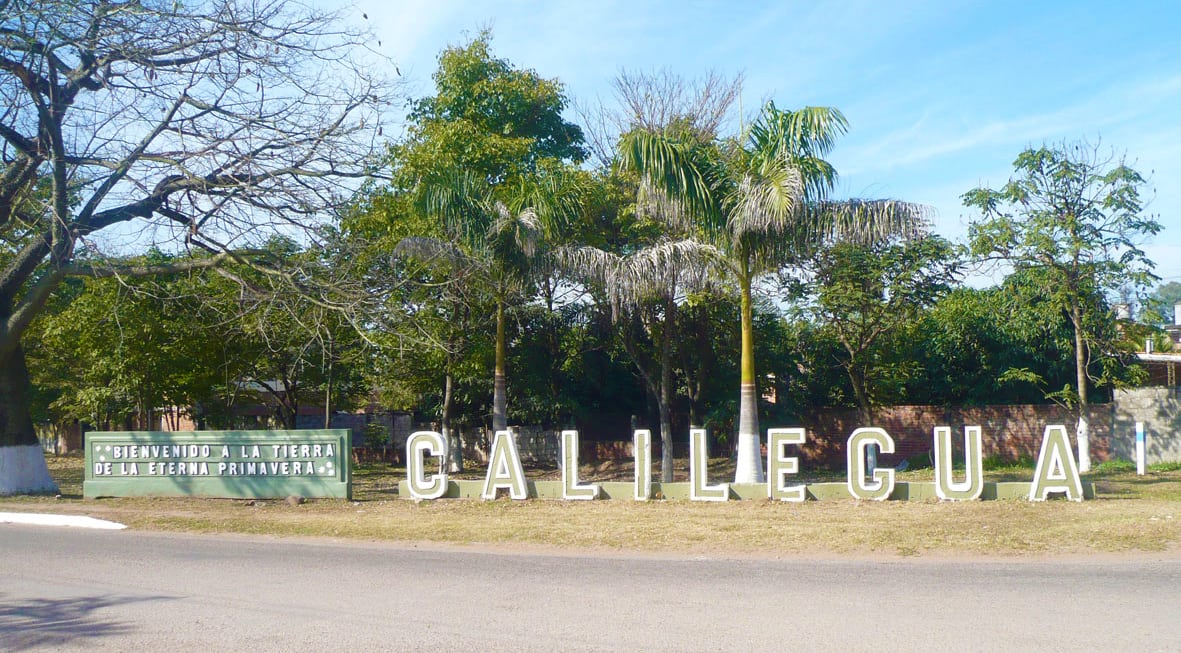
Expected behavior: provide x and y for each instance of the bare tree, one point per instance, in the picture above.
(209, 124)
(656, 102)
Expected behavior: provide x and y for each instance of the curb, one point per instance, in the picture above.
(58, 520)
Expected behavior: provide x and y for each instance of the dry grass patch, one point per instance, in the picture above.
(1132, 514)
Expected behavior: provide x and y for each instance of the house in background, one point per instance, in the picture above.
(1162, 366)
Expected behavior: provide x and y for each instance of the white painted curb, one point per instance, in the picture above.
(58, 520)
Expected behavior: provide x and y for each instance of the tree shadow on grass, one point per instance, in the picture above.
(44, 624)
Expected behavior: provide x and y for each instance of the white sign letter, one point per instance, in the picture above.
(973, 483)
(433, 445)
(883, 479)
(642, 448)
(1056, 468)
(571, 488)
(779, 464)
(699, 471)
(504, 468)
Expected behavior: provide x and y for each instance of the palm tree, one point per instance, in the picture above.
(493, 233)
(651, 278)
(761, 201)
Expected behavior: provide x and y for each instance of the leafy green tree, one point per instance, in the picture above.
(294, 347)
(124, 348)
(981, 346)
(481, 183)
(1077, 217)
(498, 243)
(866, 294)
(761, 202)
(193, 341)
(488, 117)
(1160, 307)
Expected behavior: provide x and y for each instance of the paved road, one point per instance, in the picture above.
(72, 589)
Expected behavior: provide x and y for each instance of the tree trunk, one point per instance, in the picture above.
(750, 464)
(16, 423)
(665, 403)
(1080, 369)
(696, 381)
(653, 393)
(857, 380)
(499, 412)
(22, 461)
(328, 390)
(460, 312)
(454, 446)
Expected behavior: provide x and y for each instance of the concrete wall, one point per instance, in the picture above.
(1160, 410)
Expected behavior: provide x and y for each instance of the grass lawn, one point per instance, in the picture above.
(1130, 514)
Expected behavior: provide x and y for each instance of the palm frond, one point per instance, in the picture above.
(586, 264)
(666, 266)
(670, 165)
(432, 252)
(555, 197)
(514, 231)
(652, 202)
(762, 205)
(657, 271)
(804, 136)
(865, 221)
(461, 202)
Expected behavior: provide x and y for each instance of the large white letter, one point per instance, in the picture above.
(883, 479)
(642, 448)
(571, 488)
(973, 483)
(699, 471)
(1056, 470)
(433, 445)
(504, 468)
(779, 464)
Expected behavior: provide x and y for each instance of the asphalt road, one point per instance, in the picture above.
(65, 589)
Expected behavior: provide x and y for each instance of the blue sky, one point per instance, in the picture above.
(941, 96)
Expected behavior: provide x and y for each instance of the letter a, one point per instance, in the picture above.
(1056, 470)
(504, 469)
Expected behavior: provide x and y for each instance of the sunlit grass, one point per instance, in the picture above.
(1131, 513)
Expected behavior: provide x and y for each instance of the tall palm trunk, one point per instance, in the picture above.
(750, 465)
(499, 410)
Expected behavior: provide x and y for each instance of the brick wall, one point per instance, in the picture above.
(1010, 432)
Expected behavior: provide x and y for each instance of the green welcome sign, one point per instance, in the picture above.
(227, 464)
